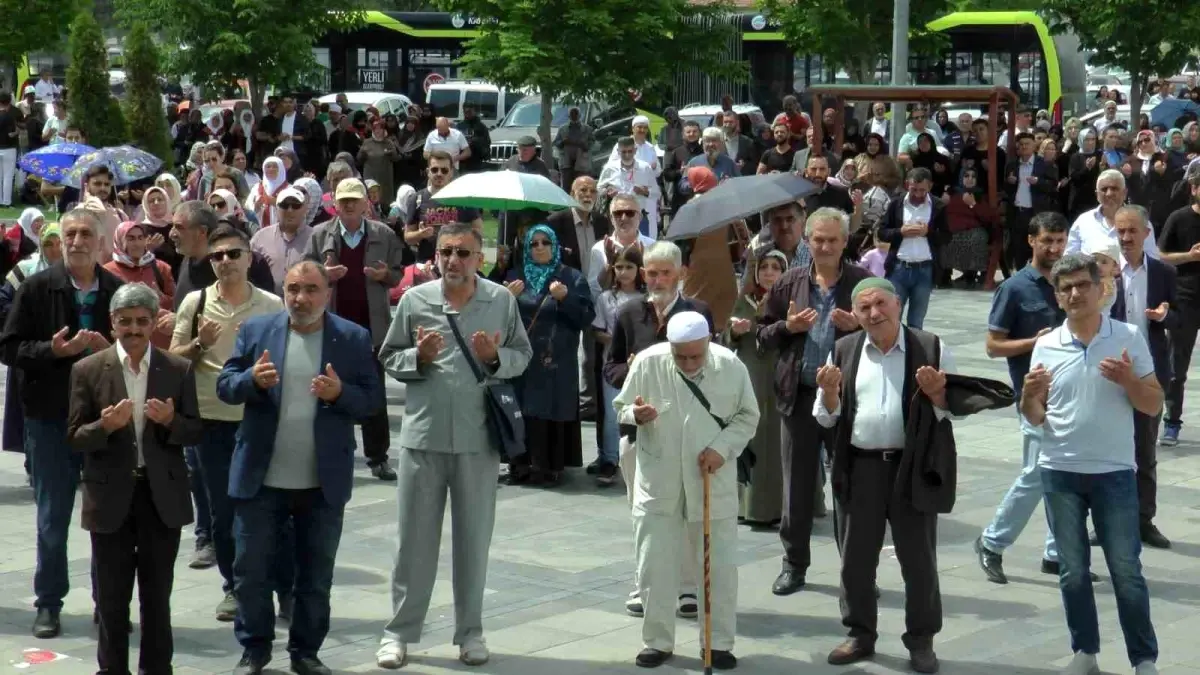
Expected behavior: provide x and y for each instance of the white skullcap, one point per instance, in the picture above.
(687, 327)
(1104, 247)
(640, 119)
(335, 108)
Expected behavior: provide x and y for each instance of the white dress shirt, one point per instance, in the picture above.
(879, 396)
(916, 249)
(288, 126)
(135, 390)
(879, 126)
(454, 143)
(1092, 226)
(1024, 198)
(625, 178)
(1135, 295)
(645, 152)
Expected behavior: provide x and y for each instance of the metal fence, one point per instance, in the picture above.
(694, 86)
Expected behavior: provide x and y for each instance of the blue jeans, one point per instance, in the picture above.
(55, 471)
(258, 525)
(214, 454)
(203, 525)
(1112, 499)
(1018, 505)
(914, 285)
(609, 450)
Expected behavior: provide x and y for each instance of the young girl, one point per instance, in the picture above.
(1108, 258)
(872, 261)
(626, 285)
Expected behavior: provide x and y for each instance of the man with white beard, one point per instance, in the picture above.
(628, 174)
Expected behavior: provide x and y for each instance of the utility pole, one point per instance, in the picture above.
(899, 69)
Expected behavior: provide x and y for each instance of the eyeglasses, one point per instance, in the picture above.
(1080, 286)
(624, 213)
(435, 170)
(539, 243)
(460, 253)
(290, 205)
(217, 205)
(232, 254)
(139, 321)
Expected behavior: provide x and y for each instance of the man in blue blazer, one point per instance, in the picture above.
(305, 377)
(1146, 298)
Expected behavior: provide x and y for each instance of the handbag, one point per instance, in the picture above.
(500, 402)
(746, 460)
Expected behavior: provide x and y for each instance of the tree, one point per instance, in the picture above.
(264, 42)
(996, 5)
(1154, 48)
(850, 34)
(40, 23)
(594, 49)
(143, 101)
(91, 105)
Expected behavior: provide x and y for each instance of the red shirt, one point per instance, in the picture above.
(351, 299)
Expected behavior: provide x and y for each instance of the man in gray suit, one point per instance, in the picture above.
(445, 441)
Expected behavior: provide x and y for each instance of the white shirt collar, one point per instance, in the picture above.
(898, 346)
(123, 357)
(1066, 337)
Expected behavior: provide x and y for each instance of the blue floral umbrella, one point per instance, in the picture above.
(127, 163)
(52, 162)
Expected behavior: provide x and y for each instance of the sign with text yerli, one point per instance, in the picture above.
(372, 79)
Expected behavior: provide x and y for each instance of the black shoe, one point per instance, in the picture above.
(923, 660)
(594, 468)
(721, 659)
(788, 582)
(1052, 567)
(1153, 538)
(651, 658)
(310, 665)
(46, 625)
(607, 475)
(383, 472)
(991, 563)
(518, 475)
(287, 603)
(252, 665)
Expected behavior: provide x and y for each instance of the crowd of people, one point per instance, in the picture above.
(221, 334)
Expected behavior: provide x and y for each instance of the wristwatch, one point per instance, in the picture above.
(199, 346)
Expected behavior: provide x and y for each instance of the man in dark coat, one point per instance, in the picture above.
(478, 138)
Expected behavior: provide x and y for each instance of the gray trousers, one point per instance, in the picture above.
(425, 478)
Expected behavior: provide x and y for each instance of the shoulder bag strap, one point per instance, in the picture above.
(466, 350)
(199, 312)
(703, 400)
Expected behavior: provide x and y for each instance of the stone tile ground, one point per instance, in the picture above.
(561, 567)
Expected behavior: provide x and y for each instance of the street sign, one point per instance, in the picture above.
(432, 79)
(372, 79)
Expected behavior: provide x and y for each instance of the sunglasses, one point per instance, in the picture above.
(539, 243)
(624, 213)
(290, 205)
(232, 254)
(461, 253)
(439, 170)
(217, 205)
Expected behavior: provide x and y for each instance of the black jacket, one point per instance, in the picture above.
(563, 224)
(1160, 287)
(893, 220)
(43, 305)
(637, 328)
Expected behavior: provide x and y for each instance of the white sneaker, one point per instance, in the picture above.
(1146, 668)
(392, 654)
(474, 652)
(633, 606)
(1082, 664)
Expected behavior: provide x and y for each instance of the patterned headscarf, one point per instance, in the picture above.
(119, 253)
(313, 202)
(537, 275)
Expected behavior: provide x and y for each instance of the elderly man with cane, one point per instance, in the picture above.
(695, 409)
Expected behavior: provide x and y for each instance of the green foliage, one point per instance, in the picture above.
(595, 49)
(851, 34)
(33, 24)
(996, 5)
(266, 42)
(143, 100)
(91, 105)
(1159, 45)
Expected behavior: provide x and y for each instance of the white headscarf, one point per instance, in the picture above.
(27, 219)
(170, 184)
(232, 207)
(269, 185)
(246, 120)
(217, 129)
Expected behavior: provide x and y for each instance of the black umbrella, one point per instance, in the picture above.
(736, 199)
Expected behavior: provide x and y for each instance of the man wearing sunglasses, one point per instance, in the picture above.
(191, 225)
(364, 259)
(284, 244)
(206, 327)
(421, 232)
(919, 125)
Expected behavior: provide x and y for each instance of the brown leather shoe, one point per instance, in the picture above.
(923, 660)
(851, 651)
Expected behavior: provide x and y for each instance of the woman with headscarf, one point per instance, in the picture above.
(376, 156)
(23, 240)
(875, 145)
(1085, 169)
(973, 224)
(762, 499)
(261, 201)
(338, 171)
(1191, 139)
(156, 212)
(170, 184)
(49, 253)
(925, 155)
(314, 215)
(853, 142)
(402, 208)
(291, 164)
(241, 135)
(1174, 144)
(216, 126)
(847, 176)
(134, 262)
(226, 205)
(556, 306)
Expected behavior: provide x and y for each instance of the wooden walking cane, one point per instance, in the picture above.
(707, 574)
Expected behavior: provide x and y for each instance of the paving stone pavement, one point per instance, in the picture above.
(561, 567)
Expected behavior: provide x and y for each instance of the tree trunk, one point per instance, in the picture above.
(1135, 100)
(544, 128)
(256, 102)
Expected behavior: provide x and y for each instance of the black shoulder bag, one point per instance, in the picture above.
(746, 460)
(503, 410)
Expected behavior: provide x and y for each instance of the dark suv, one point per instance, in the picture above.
(525, 117)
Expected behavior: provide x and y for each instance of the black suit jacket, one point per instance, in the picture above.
(748, 155)
(636, 328)
(893, 220)
(563, 224)
(1160, 288)
(109, 459)
(1044, 193)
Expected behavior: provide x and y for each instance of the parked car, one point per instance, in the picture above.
(448, 99)
(384, 102)
(526, 116)
(706, 115)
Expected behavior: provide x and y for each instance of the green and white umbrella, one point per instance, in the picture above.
(505, 191)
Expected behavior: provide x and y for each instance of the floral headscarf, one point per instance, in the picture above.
(27, 220)
(538, 275)
(759, 292)
(35, 263)
(312, 203)
(196, 156)
(119, 253)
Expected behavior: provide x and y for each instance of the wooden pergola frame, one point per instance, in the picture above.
(930, 96)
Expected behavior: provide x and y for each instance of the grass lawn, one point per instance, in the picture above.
(11, 213)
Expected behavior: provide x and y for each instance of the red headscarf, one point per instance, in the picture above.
(702, 179)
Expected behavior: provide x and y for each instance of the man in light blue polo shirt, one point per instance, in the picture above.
(1089, 377)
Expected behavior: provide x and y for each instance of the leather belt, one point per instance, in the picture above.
(886, 455)
(139, 473)
(919, 263)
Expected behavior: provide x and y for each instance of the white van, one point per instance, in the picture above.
(448, 98)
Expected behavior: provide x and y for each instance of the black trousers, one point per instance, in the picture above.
(871, 507)
(1018, 253)
(1183, 340)
(377, 436)
(143, 548)
(800, 452)
(1145, 444)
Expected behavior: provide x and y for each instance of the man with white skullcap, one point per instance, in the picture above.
(695, 410)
